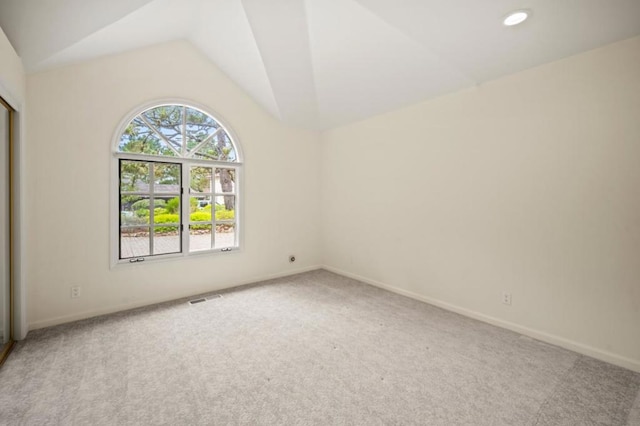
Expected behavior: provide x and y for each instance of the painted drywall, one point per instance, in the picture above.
(526, 185)
(74, 112)
(12, 76)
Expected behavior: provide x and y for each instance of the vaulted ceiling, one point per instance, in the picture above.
(322, 63)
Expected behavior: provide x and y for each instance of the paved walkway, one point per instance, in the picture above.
(139, 246)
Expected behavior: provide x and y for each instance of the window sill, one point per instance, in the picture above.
(173, 256)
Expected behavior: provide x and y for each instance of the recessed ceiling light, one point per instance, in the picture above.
(515, 18)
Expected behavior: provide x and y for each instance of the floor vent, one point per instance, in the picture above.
(204, 299)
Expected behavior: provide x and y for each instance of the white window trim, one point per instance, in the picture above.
(114, 202)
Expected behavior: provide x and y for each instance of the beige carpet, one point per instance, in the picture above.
(315, 348)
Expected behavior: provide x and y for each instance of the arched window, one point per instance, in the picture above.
(178, 171)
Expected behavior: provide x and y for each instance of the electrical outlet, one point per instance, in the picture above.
(506, 298)
(75, 292)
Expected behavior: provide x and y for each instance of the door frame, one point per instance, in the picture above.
(18, 231)
(6, 348)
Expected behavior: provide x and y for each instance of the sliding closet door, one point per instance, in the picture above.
(6, 115)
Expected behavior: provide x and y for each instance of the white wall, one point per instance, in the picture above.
(74, 112)
(12, 76)
(527, 185)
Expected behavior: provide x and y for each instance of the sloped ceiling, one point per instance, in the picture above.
(321, 63)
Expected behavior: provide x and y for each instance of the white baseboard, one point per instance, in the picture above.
(124, 307)
(580, 348)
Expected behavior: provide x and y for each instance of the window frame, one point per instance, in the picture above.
(186, 163)
(151, 194)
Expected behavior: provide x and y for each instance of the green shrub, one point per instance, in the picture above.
(201, 217)
(127, 219)
(166, 218)
(173, 205)
(157, 211)
(140, 204)
(225, 214)
(144, 204)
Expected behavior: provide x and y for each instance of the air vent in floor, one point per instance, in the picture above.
(204, 299)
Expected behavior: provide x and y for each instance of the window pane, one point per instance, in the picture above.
(199, 127)
(167, 209)
(139, 138)
(134, 210)
(134, 242)
(166, 239)
(177, 131)
(199, 237)
(201, 179)
(160, 204)
(167, 120)
(225, 180)
(134, 176)
(200, 209)
(219, 148)
(225, 207)
(166, 219)
(225, 235)
(166, 178)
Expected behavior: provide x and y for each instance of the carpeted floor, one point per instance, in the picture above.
(315, 348)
